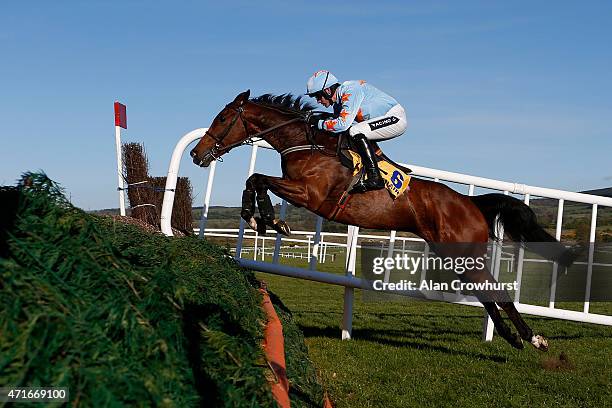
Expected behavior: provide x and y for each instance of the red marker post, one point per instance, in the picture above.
(120, 122)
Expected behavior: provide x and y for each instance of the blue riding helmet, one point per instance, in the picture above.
(320, 80)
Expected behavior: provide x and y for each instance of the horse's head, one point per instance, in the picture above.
(228, 130)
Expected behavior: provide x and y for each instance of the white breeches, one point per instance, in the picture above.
(390, 125)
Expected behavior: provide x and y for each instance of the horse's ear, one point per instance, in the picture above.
(243, 97)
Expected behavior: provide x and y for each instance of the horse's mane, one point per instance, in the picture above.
(286, 103)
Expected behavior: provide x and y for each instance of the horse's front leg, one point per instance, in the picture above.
(292, 191)
(248, 207)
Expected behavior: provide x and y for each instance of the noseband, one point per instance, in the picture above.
(220, 148)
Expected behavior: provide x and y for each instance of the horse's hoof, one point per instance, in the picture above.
(516, 342)
(539, 342)
(253, 224)
(281, 227)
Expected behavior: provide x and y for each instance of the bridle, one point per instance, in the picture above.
(220, 148)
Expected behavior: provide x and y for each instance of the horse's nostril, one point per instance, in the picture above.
(193, 154)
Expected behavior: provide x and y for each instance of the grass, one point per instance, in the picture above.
(412, 353)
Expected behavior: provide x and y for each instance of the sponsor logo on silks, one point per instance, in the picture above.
(381, 123)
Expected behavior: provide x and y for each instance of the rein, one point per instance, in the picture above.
(220, 148)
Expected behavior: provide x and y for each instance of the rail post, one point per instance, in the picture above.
(349, 293)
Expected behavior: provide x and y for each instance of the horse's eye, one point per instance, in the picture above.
(222, 118)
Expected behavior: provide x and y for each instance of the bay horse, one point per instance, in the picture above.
(314, 178)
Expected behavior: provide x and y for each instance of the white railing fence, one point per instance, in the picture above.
(317, 245)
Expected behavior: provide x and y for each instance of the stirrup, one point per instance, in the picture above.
(363, 186)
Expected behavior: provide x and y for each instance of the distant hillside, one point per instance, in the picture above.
(606, 192)
(105, 211)
(298, 218)
(229, 217)
(576, 216)
(220, 211)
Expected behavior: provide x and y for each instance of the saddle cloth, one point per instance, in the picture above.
(396, 179)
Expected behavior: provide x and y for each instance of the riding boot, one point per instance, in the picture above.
(373, 181)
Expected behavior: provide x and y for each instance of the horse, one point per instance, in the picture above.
(314, 178)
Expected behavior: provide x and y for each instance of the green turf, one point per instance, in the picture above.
(414, 353)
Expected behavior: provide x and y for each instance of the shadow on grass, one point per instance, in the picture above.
(410, 323)
(413, 320)
(383, 337)
(383, 315)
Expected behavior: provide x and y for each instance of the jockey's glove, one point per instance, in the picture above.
(313, 120)
(315, 117)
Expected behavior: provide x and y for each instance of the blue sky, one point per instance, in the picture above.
(519, 91)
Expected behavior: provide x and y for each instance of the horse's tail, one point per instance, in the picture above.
(521, 225)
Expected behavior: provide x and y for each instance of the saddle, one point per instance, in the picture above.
(396, 177)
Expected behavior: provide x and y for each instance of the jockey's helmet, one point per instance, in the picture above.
(320, 80)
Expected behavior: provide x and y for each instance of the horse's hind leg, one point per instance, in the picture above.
(524, 330)
(501, 297)
(473, 273)
(489, 299)
(450, 228)
(503, 300)
(501, 327)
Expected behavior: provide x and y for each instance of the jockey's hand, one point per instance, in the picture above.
(313, 120)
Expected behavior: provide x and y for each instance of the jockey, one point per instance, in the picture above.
(378, 116)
